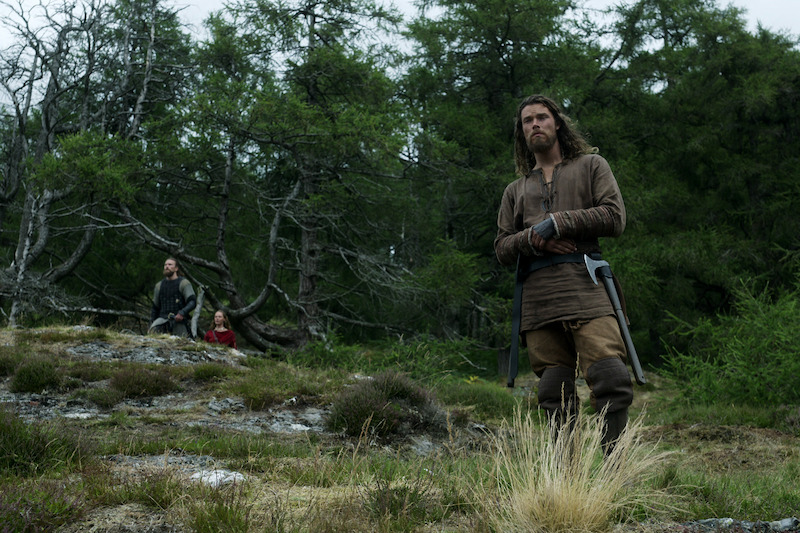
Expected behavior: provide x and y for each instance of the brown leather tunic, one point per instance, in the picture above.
(586, 204)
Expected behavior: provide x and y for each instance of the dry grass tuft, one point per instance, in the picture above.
(549, 484)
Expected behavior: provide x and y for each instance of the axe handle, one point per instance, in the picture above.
(608, 281)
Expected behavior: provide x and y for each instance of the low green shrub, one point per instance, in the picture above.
(90, 371)
(35, 375)
(103, 397)
(409, 502)
(135, 382)
(423, 359)
(390, 403)
(429, 360)
(273, 382)
(223, 509)
(62, 334)
(745, 357)
(10, 358)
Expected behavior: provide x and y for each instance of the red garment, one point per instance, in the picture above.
(221, 337)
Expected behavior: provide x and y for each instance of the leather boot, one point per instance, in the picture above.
(558, 398)
(613, 426)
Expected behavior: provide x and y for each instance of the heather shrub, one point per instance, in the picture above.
(423, 359)
(272, 382)
(62, 334)
(135, 382)
(35, 375)
(222, 509)
(104, 398)
(90, 371)
(390, 403)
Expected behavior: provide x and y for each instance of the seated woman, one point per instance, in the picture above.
(220, 331)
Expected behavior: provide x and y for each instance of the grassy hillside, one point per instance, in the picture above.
(105, 430)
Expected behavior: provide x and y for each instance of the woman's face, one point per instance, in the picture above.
(219, 318)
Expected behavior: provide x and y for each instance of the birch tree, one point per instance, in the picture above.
(65, 109)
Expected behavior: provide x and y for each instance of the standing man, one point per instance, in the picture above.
(565, 198)
(173, 300)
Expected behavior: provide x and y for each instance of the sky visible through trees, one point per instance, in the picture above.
(315, 182)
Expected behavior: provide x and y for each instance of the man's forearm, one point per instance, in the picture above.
(586, 224)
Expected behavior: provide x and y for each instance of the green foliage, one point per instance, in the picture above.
(226, 509)
(425, 359)
(489, 401)
(430, 359)
(136, 382)
(103, 397)
(274, 382)
(685, 410)
(35, 375)
(387, 404)
(90, 371)
(331, 352)
(160, 490)
(41, 507)
(92, 162)
(31, 449)
(749, 356)
(402, 502)
(737, 493)
(211, 371)
(10, 358)
(53, 335)
(449, 280)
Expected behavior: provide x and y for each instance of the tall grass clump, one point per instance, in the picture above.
(221, 509)
(737, 357)
(548, 483)
(41, 507)
(33, 449)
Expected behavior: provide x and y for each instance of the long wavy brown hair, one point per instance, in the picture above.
(571, 141)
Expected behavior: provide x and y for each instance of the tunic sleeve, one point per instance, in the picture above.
(605, 218)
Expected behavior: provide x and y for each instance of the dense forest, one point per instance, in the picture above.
(331, 169)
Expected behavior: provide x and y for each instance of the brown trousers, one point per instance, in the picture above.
(581, 345)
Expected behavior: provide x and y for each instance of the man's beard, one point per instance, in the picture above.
(541, 144)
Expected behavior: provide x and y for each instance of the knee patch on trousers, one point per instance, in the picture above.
(611, 385)
(557, 389)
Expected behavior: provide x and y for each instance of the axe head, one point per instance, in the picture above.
(592, 265)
